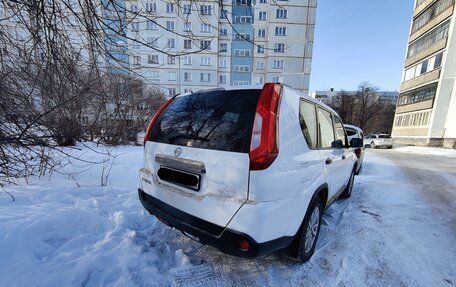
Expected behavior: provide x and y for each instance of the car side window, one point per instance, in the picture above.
(326, 130)
(340, 133)
(308, 122)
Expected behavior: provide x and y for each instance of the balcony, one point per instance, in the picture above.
(420, 80)
(431, 24)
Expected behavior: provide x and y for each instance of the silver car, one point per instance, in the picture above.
(378, 141)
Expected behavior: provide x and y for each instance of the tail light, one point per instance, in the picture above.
(358, 152)
(154, 119)
(264, 147)
(244, 244)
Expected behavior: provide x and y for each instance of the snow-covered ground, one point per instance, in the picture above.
(450, 153)
(67, 230)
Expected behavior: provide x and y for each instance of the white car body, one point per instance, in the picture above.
(378, 141)
(265, 206)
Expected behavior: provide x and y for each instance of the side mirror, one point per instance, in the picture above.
(355, 142)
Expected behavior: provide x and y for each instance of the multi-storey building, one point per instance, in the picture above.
(426, 108)
(191, 45)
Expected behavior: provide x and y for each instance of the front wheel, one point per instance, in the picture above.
(311, 229)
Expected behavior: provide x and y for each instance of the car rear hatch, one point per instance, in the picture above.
(197, 153)
(385, 140)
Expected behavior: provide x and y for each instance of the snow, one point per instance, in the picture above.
(68, 230)
(435, 151)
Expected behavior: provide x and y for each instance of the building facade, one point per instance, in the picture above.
(426, 108)
(191, 45)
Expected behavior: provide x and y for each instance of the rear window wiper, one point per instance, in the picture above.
(187, 136)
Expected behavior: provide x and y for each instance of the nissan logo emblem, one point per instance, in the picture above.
(177, 151)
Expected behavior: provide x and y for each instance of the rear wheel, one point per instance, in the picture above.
(372, 145)
(311, 229)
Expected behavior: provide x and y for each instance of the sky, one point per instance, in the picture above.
(360, 40)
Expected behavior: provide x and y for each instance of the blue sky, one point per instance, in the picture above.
(360, 40)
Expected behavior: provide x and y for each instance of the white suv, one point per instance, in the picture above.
(248, 171)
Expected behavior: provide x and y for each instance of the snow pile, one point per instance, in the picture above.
(450, 153)
(70, 231)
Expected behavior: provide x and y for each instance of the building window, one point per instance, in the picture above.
(260, 49)
(223, 63)
(151, 25)
(244, 2)
(260, 65)
(187, 9)
(242, 52)
(222, 79)
(263, 1)
(152, 41)
(223, 14)
(243, 19)
(277, 79)
(242, 36)
(223, 32)
(171, 60)
(281, 31)
(169, 8)
(206, 10)
(241, 83)
(187, 60)
(205, 77)
(241, 68)
(187, 44)
(170, 25)
(205, 45)
(421, 94)
(134, 9)
(279, 48)
(207, 28)
(431, 13)
(152, 59)
(278, 64)
(187, 76)
(136, 60)
(171, 43)
(171, 76)
(187, 26)
(429, 39)
(223, 47)
(262, 16)
(412, 119)
(135, 26)
(151, 7)
(281, 13)
(171, 92)
(206, 61)
(261, 33)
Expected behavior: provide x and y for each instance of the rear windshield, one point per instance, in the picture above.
(384, 137)
(220, 120)
(350, 132)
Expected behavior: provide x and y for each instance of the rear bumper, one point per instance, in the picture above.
(224, 239)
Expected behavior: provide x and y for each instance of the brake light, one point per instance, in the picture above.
(244, 245)
(264, 147)
(154, 119)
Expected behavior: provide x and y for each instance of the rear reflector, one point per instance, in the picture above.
(154, 119)
(264, 147)
(358, 152)
(244, 245)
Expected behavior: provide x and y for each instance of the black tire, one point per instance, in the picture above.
(390, 147)
(348, 189)
(306, 251)
(358, 171)
(372, 145)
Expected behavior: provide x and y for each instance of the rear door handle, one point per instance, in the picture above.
(328, 161)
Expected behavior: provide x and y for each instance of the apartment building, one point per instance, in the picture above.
(426, 108)
(183, 46)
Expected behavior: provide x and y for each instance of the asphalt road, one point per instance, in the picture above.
(434, 178)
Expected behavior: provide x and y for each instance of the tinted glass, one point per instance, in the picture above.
(308, 122)
(351, 132)
(220, 120)
(384, 137)
(326, 129)
(340, 133)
